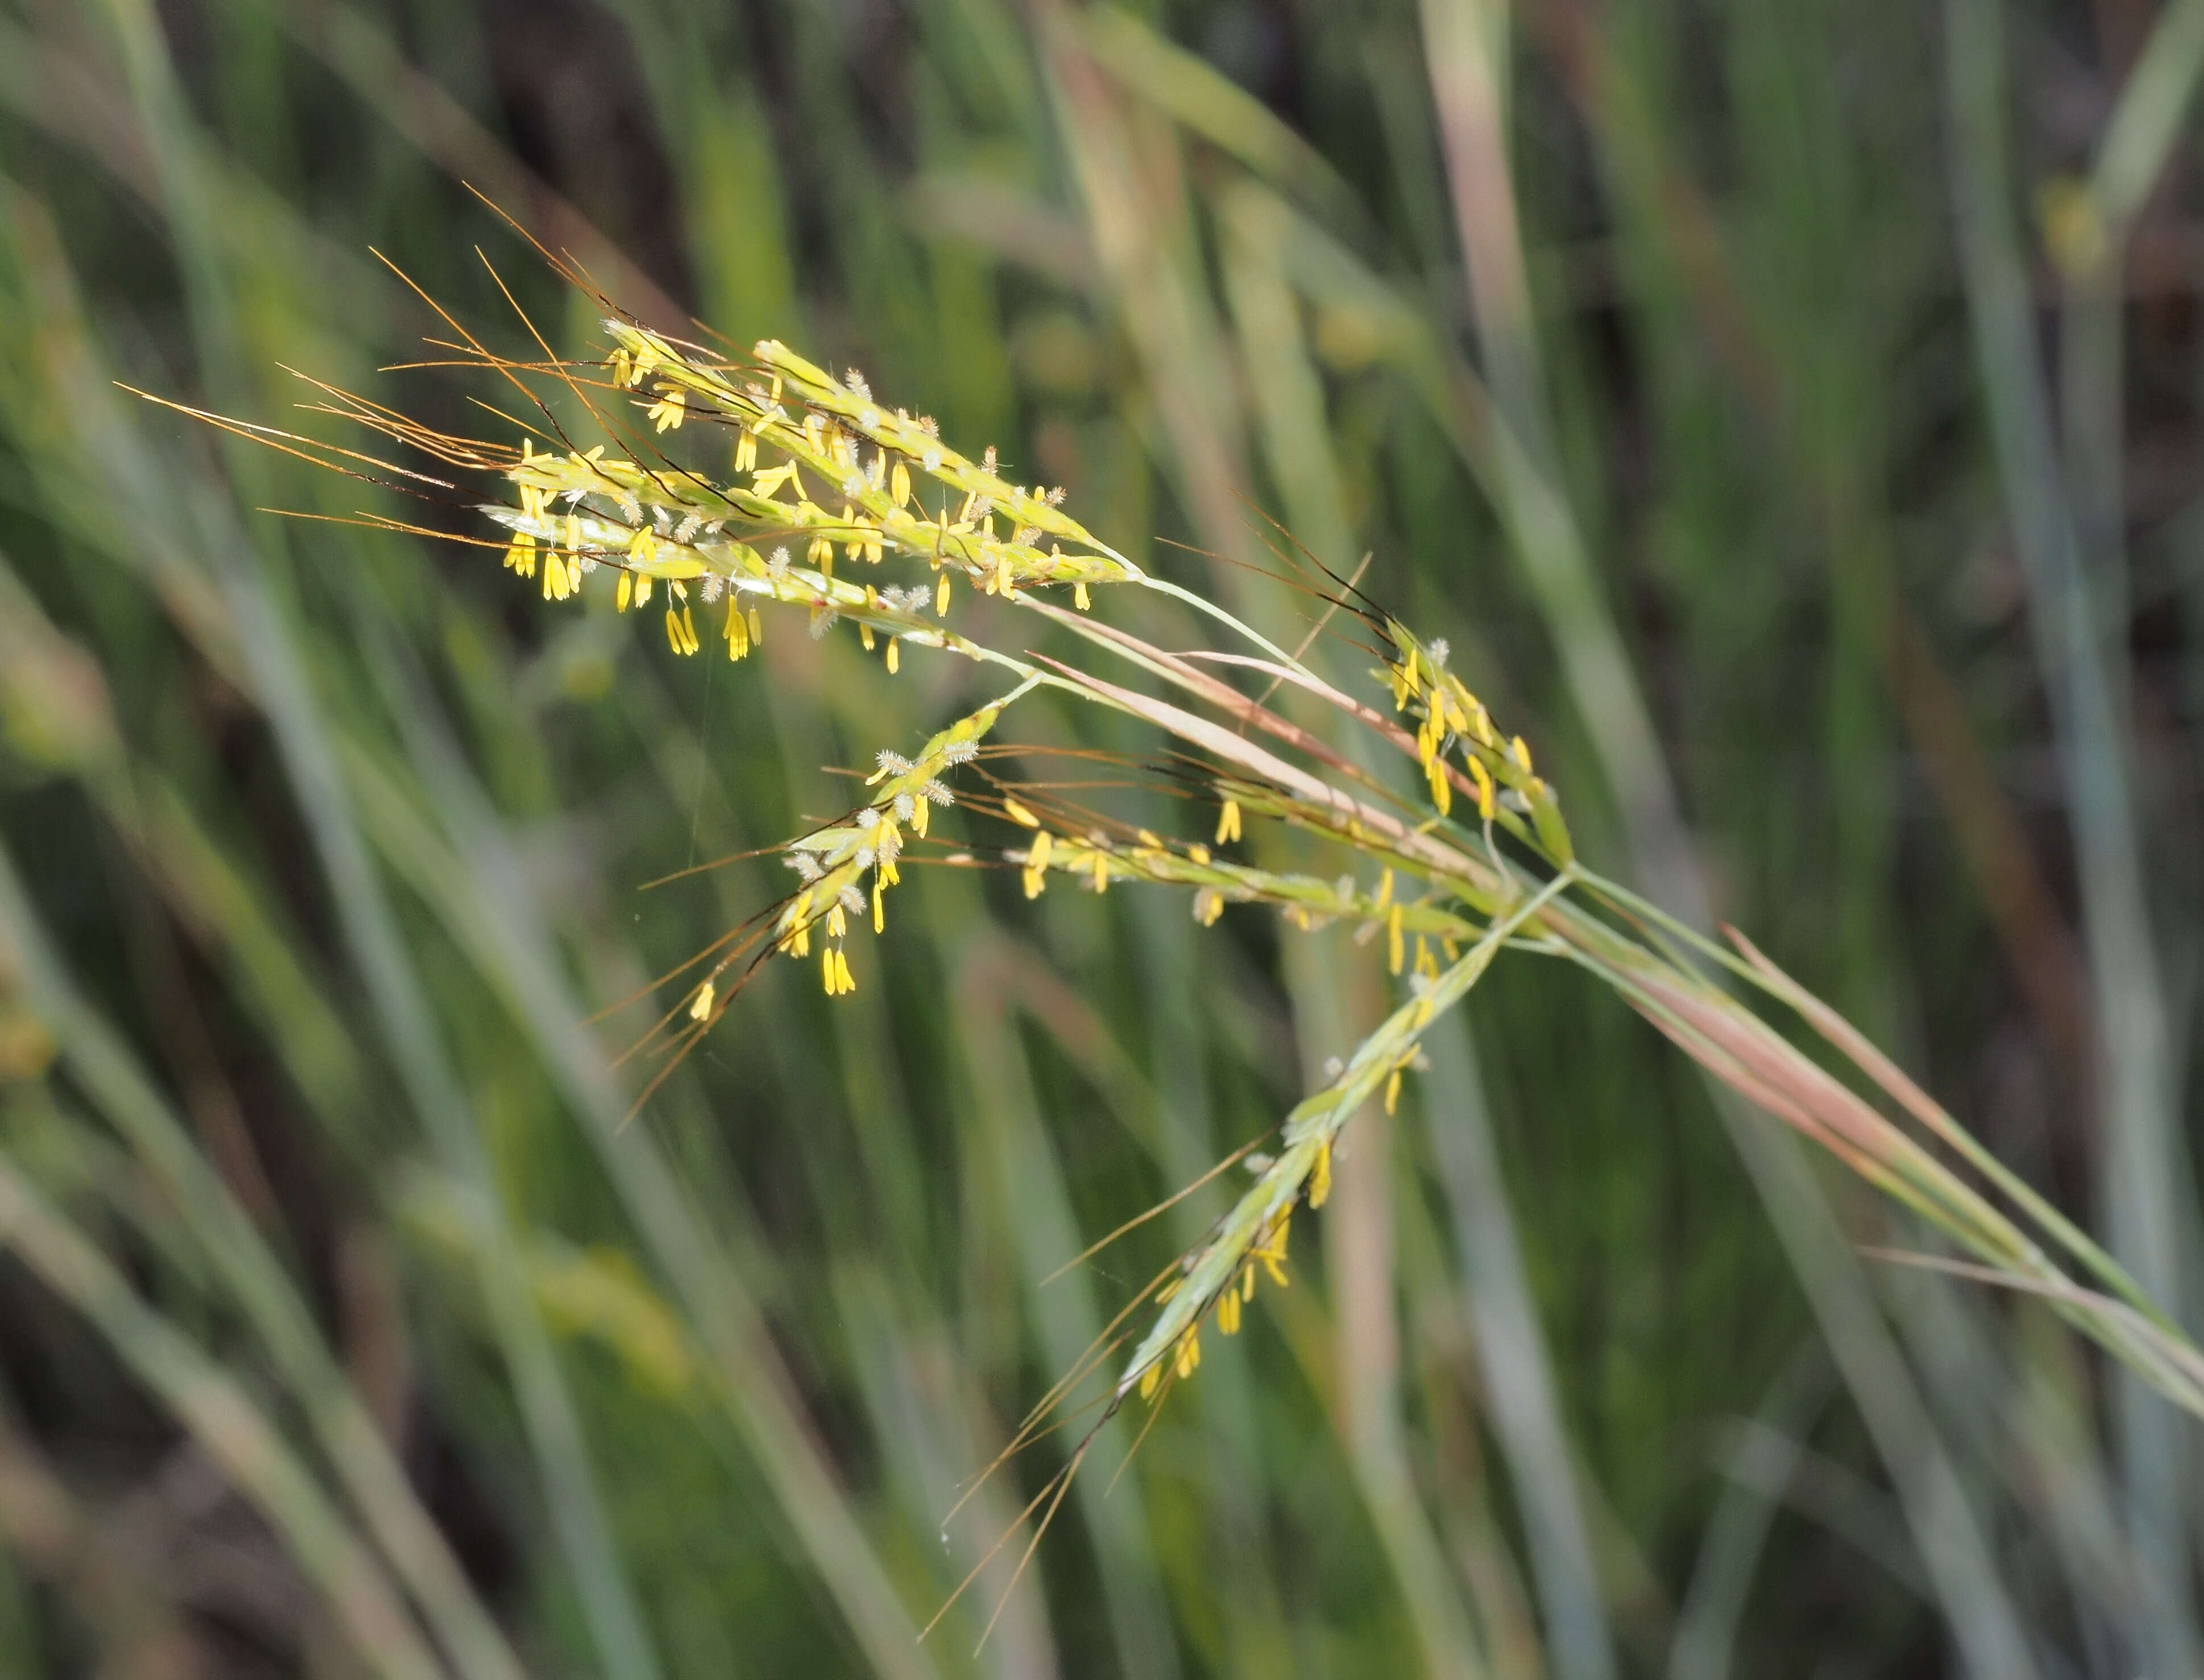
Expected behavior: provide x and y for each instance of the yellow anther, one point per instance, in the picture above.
(1228, 1312)
(1320, 1177)
(1394, 951)
(702, 1005)
(1227, 822)
(1482, 777)
(1393, 1090)
(1018, 813)
(1189, 1353)
(894, 641)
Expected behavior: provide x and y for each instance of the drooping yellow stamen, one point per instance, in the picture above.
(702, 1005)
(1079, 596)
(627, 589)
(1228, 1312)
(941, 598)
(899, 485)
(1384, 889)
(894, 661)
(1272, 1251)
(1522, 750)
(1150, 1379)
(668, 410)
(1018, 813)
(745, 450)
(1482, 777)
(1320, 1177)
(880, 905)
(1393, 1092)
(1227, 822)
(1395, 949)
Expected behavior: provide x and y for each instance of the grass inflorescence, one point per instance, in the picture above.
(838, 515)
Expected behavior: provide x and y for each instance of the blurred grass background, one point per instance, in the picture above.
(1787, 408)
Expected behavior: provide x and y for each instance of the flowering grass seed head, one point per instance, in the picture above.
(1478, 860)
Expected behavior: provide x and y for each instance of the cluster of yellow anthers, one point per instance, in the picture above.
(834, 861)
(1507, 789)
(844, 474)
(840, 473)
(1219, 1274)
(1095, 858)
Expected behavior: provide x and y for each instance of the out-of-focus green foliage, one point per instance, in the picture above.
(1787, 404)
